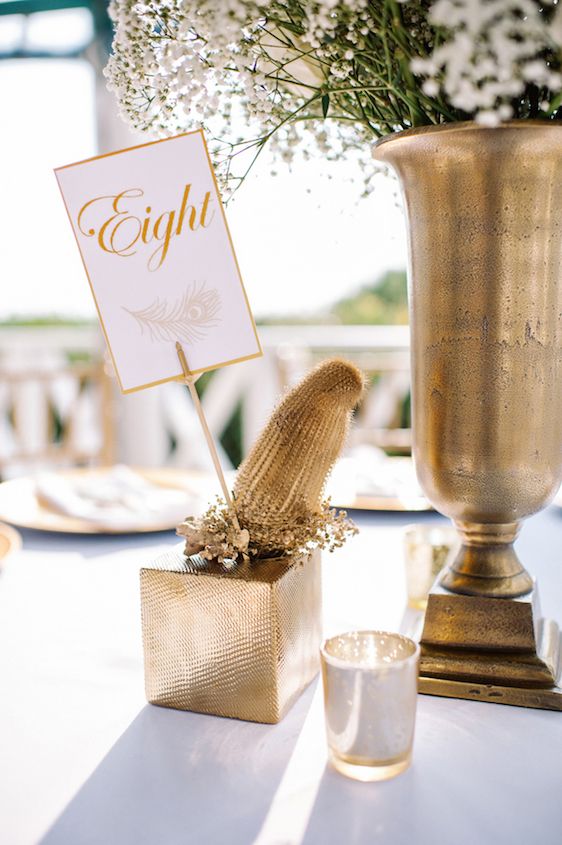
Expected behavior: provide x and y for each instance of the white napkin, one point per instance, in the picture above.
(367, 471)
(117, 499)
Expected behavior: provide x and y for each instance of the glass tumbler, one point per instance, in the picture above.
(370, 696)
(427, 548)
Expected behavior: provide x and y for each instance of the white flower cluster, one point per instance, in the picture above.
(341, 70)
(183, 63)
(492, 50)
(172, 58)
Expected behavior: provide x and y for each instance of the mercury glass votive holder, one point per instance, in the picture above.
(427, 548)
(370, 695)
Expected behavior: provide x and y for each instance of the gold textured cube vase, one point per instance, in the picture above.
(242, 643)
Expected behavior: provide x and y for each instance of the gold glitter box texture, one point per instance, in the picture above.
(242, 643)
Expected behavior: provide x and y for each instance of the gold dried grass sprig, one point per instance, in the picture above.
(214, 536)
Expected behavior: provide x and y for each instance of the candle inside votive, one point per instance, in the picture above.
(370, 692)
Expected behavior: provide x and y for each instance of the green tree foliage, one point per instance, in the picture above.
(383, 302)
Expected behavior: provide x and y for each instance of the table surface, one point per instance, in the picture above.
(85, 761)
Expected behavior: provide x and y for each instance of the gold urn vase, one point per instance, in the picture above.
(484, 210)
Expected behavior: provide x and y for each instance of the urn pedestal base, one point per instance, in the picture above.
(487, 649)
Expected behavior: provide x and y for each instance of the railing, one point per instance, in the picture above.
(157, 426)
(56, 405)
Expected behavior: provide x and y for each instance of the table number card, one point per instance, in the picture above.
(155, 244)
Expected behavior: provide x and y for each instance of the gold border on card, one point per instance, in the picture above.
(177, 376)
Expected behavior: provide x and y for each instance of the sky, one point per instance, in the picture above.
(303, 240)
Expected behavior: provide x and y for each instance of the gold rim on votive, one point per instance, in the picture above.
(382, 664)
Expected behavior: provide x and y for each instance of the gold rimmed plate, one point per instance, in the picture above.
(10, 542)
(387, 485)
(386, 503)
(21, 506)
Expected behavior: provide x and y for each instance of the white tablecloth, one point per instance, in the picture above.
(85, 761)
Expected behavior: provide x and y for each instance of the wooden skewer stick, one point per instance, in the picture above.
(190, 382)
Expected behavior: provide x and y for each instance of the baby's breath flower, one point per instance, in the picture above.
(338, 71)
(492, 50)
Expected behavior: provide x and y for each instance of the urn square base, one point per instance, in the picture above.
(242, 643)
(486, 649)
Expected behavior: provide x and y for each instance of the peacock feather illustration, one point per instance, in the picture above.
(188, 319)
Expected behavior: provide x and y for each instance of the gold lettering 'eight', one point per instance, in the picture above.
(122, 231)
